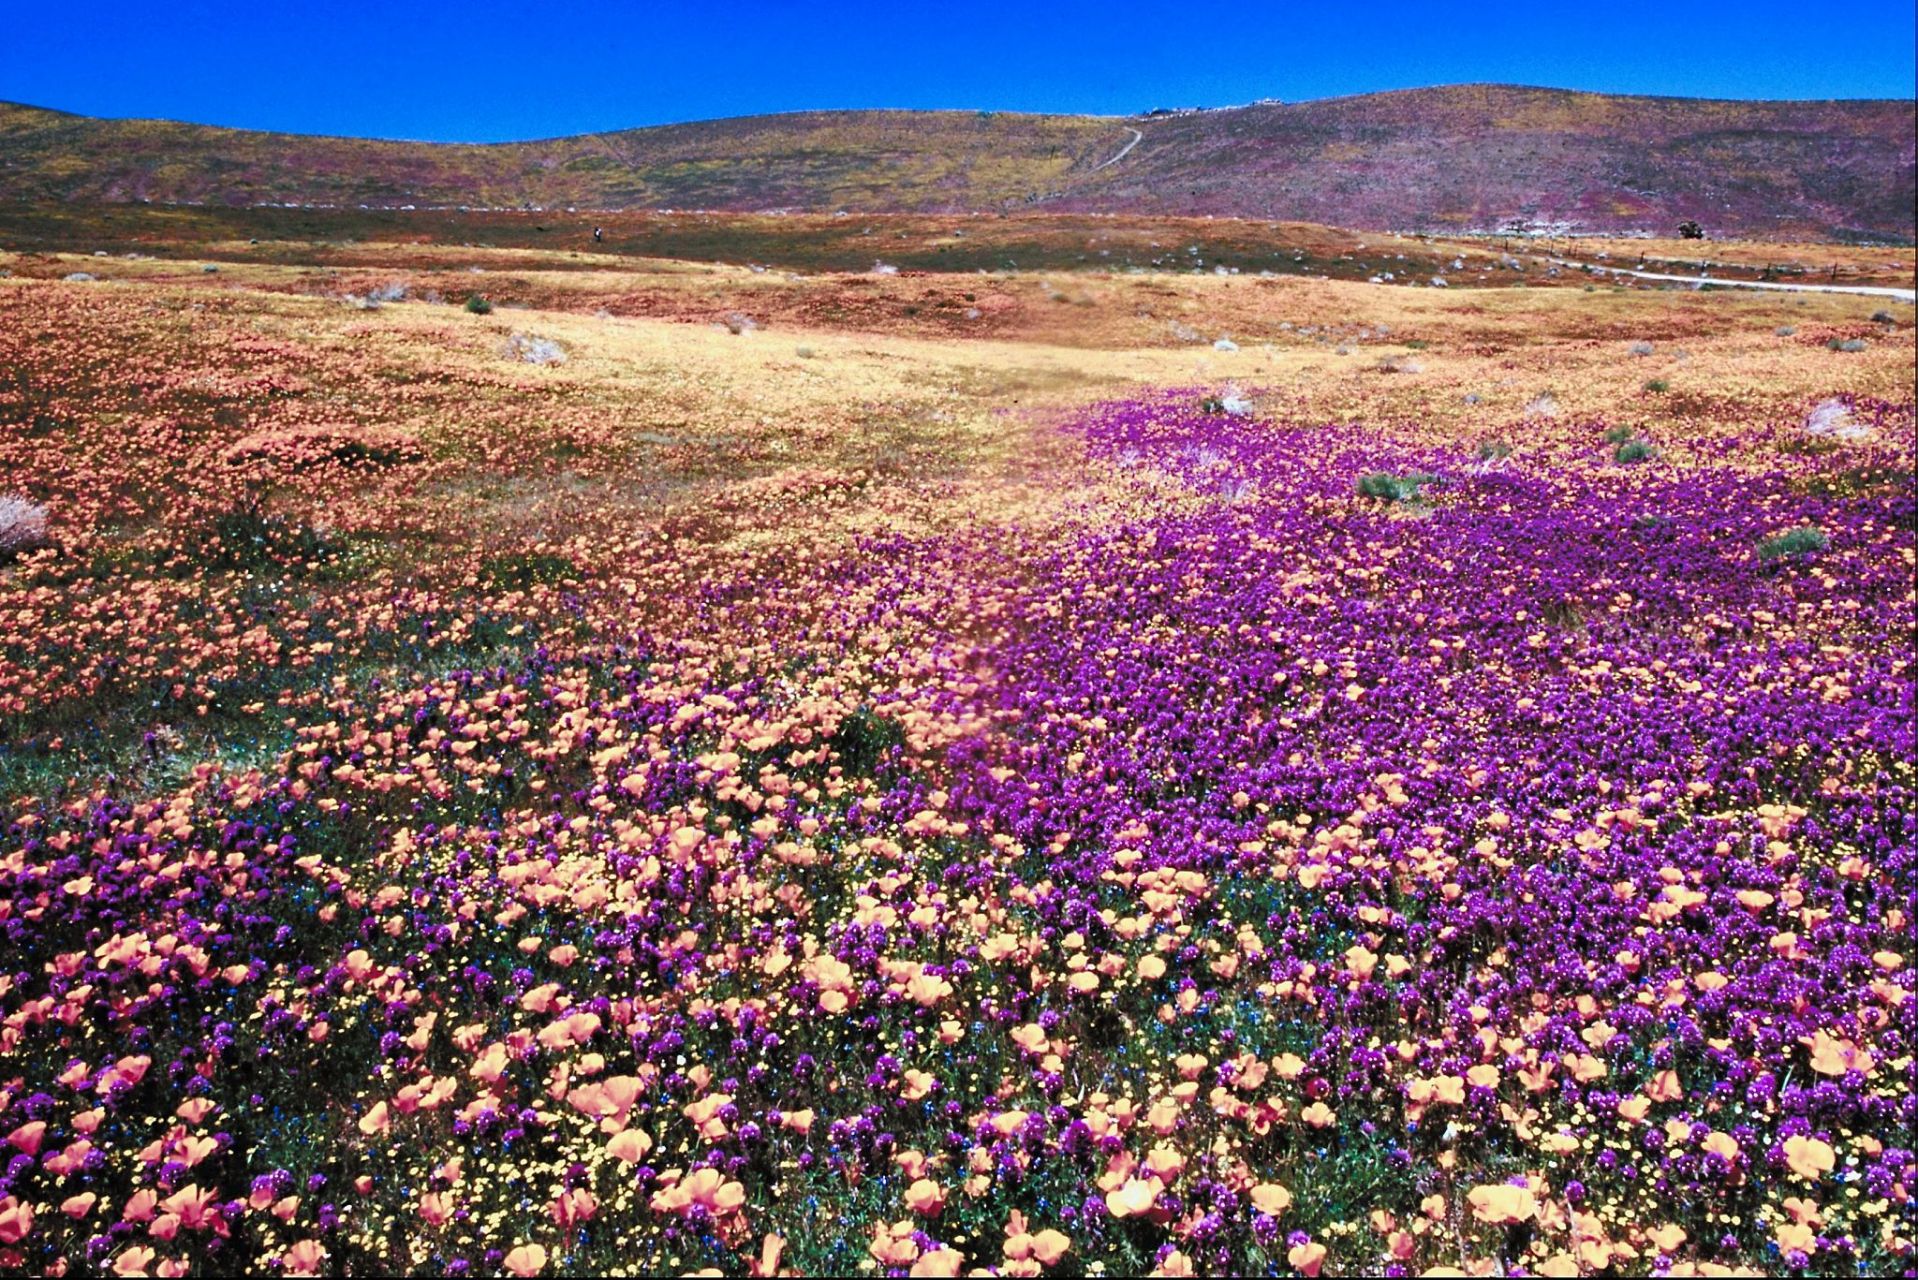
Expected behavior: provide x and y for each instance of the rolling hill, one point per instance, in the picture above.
(1457, 158)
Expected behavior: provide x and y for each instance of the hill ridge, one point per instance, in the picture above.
(1445, 158)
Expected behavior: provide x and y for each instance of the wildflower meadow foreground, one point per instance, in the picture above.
(905, 804)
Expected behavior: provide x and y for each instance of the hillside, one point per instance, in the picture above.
(1458, 158)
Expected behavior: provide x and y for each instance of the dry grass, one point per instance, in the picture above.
(658, 403)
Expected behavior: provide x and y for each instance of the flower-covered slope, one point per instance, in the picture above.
(1235, 873)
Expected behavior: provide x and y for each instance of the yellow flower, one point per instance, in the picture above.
(1134, 1198)
(1271, 1199)
(1809, 1158)
(1502, 1203)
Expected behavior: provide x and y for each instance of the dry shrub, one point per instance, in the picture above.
(23, 526)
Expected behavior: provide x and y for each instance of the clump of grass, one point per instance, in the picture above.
(1657, 386)
(1792, 543)
(523, 569)
(1618, 435)
(1386, 487)
(1850, 482)
(1846, 344)
(1632, 451)
(478, 305)
(245, 536)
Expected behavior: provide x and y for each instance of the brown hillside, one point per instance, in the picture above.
(1469, 157)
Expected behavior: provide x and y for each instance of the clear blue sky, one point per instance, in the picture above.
(484, 71)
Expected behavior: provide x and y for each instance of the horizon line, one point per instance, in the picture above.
(972, 111)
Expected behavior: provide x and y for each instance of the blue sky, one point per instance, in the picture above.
(487, 71)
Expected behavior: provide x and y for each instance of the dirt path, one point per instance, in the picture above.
(1868, 290)
(1137, 138)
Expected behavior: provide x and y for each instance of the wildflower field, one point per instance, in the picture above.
(691, 768)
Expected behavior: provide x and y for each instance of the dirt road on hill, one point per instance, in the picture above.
(1137, 138)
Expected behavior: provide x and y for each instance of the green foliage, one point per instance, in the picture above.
(1618, 435)
(1386, 487)
(478, 305)
(1883, 478)
(865, 739)
(245, 536)
(1658, 386)
(1792, 543)
(523, 569)
(1633, 451)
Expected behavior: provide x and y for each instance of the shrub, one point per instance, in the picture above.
(478, 305)
(1493, 450)
(1618, 435)
(1883, 317)
(1846, 344)
(529, 349)
(1232, 404)
(1632, 451)
(246, 537)
(1785, 330)
(1640, 348)
(1794, 542)
(1832, 418)
(1386, 487)
(1657, 385)
(23, 526)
